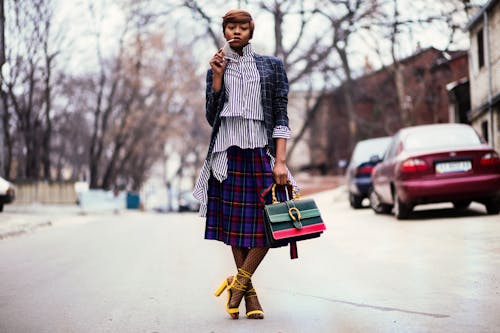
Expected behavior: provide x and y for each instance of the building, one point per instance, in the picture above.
(484, 72)
(378, 104)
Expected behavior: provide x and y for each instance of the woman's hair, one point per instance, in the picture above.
(238, 16)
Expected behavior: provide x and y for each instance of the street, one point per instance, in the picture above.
(144, 272)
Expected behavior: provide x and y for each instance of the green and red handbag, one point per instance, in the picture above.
(291, 220)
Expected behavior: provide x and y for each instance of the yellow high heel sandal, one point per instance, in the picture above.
(257, 313)
(236, 285)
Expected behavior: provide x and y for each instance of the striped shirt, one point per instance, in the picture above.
(242, 84)
(242, 120)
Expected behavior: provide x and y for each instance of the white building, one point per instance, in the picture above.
(484, 72)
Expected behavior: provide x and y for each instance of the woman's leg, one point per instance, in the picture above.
(251, 262)
(239, 254)
(252, 304)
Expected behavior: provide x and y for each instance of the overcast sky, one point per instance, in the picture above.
(77, 21)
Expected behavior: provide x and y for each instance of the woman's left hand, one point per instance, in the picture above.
(280, 173)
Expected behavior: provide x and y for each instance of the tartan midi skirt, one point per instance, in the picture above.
(234, 207)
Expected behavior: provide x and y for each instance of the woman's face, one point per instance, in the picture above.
(239, 32)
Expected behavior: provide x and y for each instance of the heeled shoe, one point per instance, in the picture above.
(256, 312)
(232, 283)
(227, 284)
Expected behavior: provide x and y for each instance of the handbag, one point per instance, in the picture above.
(291, 221)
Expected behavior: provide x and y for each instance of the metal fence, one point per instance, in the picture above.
(46, 193)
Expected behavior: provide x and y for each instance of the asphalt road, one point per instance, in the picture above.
(142, 272)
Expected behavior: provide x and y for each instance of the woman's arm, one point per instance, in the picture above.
(281, 130)
(212, 99)
(280, 170)
(280, 94)
(214, 85)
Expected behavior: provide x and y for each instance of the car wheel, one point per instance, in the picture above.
(377, 206)
(492, 206)
(401, 210)
(356, 201)
(1, 207)
(461, 205)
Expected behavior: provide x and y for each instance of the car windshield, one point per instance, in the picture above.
(366, 149)
(441, 137)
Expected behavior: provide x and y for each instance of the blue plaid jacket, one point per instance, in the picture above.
(274, 96)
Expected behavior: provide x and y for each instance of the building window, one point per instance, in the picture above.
(480, 48)
(484, 130)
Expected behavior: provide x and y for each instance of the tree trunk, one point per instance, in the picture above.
(5, 138)
(3, 94)
(108, 177)
(309, 118)
(404, 106)
(348, 98)
(46, 149)
(404, 109)
(278, 32)
(93, 159)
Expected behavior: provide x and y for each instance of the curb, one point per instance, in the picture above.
(27, 229)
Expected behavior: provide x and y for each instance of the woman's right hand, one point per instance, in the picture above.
(218, 63)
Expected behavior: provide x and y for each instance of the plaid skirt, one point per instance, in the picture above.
(234, 207)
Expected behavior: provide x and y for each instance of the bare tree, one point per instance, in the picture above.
(141, 94)
(444, 18)
(311, 37)
(27, 82)
(3, 94)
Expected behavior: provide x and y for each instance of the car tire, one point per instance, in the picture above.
(1, 206)
(401, 210)
(461, 205)
(356, 201)
(377, 206)
(492, 206)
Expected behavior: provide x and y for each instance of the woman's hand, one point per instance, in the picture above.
(280, 173)
(218, 63)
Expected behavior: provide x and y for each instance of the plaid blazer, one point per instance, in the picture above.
(274, 97)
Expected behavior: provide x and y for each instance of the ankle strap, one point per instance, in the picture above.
(243, 273)
(237, 284)
(251, 293)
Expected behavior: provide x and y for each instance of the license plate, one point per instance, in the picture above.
(459, 166)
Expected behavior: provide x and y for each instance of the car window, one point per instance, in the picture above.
(364, 150)
(391, 150)
(441, 137)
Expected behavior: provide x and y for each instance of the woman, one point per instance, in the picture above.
(246, 104)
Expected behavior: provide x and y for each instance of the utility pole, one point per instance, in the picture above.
(2, 104)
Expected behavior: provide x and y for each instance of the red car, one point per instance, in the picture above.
(436, 163)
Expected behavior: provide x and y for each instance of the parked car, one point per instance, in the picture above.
(188, 203)
(436, 163)
(7, 192)
(365, 156)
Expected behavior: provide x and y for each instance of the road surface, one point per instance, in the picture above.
(146, 272)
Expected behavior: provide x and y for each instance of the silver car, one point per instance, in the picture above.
(7, 192)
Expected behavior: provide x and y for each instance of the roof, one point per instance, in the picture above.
(477, 17)
(405, 131)
(428, 126)
(484, 107)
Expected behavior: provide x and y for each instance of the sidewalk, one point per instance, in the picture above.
(18, 219)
